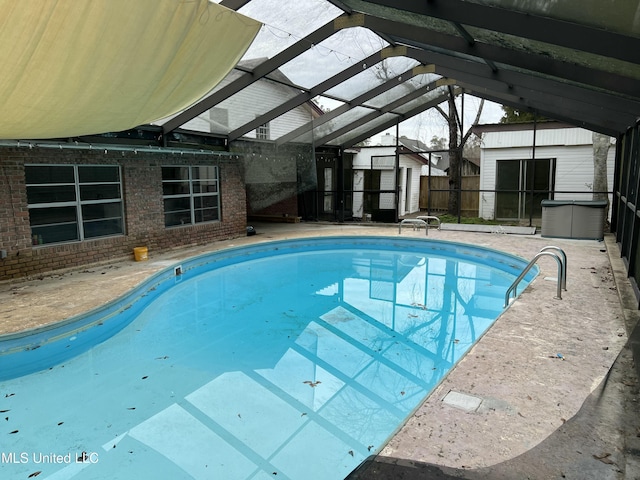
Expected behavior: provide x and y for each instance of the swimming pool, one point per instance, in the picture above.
(293, 359)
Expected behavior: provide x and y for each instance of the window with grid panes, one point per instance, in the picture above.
(191, 195)
(262, 132)
(74, 202)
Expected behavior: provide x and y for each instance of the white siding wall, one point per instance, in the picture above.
(486, 208)
(558, 136)
(362, 161)
(198, 124)
(289, 121)
(358, 196)
(413, 205)
(252, 101)
(572, 149)
(243, 108)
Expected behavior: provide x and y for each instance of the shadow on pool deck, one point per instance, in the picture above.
(540, 417)
(565, 454)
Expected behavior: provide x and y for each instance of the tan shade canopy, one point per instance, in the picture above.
(80, 67)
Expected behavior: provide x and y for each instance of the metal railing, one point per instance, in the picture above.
(420, 221)
(562, 272)
(564, 262)
(416, 222)
(427, 218)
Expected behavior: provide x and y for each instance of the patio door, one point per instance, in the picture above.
(405, 207)
(371, 190)
(334, 199)
(521, 185)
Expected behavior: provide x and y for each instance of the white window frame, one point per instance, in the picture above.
(263, 131)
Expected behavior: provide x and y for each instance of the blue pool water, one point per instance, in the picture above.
(289, 360)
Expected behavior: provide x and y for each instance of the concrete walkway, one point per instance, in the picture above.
(549, 391)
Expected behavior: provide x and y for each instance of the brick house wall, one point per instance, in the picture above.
(143, 208)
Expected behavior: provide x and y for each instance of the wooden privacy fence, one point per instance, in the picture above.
(437, 199)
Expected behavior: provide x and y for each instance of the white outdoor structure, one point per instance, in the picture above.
(383, 157)
(564, 162)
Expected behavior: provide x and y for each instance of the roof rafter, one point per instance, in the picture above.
(578, 93)
(307, 95)
(427, 39)
(471, 41)
(564, 109)
(383, 126)
(356, 102)
(597, 118)
(534, 27)
(549, 113)
(517, 84)
(341, 6)
(234, 4)
(389, 108)
(259, 72)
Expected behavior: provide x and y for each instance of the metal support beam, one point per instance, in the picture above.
(356, 102)
(520, 84)
(234, 4)
(546, 111)
(384, 126)
(575, 111)
(259, 72)
(471, 41)
(341, 6)
(430, 40)
(592, 81)
(523, 24)
(389, 108)
(322, 87)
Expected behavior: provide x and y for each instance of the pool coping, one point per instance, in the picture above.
(90, 328)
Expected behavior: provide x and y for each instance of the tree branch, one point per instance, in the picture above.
(444, 115)
(475, 122)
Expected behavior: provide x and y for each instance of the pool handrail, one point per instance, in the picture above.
(419, 221)
(562, 274)
(426, 218)
(564, 262)
(416, 222)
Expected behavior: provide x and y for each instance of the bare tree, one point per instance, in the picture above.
(455, 149)
(457, 137)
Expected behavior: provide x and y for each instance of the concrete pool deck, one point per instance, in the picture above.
(549, 392)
